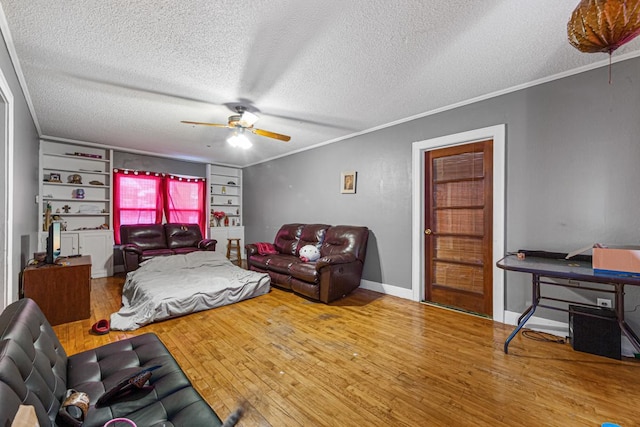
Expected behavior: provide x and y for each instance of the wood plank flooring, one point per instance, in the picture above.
(376, 360)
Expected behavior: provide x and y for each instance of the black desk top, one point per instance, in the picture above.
(562, 269)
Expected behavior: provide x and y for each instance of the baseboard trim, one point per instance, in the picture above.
(384, 288)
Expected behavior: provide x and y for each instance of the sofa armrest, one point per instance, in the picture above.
(207, 244)
(131, 254)
(132, 248)
(251, 250)
(335, 259)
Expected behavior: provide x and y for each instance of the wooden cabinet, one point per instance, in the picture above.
(62, 291)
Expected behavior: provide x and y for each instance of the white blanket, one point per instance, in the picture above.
(170, 286)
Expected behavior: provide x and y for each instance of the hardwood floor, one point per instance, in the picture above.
(376, 360)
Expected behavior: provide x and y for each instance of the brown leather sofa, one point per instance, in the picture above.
(35, 370)
(143, 241)
(333, 276)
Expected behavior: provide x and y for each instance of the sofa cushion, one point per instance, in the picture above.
(342, 239)
(181, 235)
(148, 254)
(146, 236)
(185, 250)
(304, 271)
(311, 234)
(286, 241)
(281, 263)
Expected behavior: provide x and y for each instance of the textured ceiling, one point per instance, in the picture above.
(125, 73)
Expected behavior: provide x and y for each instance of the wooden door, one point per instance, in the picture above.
(458, 227)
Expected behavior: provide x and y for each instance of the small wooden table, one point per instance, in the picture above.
(62, 291)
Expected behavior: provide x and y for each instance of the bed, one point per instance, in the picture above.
(171, 286)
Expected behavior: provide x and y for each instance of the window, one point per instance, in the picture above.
(139, 198)
(184, 200)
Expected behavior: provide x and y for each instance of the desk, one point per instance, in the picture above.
(569, 270)
(62, 292)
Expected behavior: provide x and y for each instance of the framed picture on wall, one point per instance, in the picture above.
(348, 182)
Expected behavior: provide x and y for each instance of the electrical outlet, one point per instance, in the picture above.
(604, 302)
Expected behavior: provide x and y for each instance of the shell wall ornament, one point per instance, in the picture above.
(603, 25)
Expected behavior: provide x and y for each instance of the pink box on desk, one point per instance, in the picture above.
(621, 260)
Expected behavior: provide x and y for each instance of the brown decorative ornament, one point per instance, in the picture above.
(603, 25)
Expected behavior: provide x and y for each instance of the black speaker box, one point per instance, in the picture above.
(594, 335)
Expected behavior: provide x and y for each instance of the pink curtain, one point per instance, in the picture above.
(137, 198)
(185, 201)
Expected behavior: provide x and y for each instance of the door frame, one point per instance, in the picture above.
(497, 133)
(6, 204)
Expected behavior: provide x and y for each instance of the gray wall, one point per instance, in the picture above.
(25, 175)
(573, 150)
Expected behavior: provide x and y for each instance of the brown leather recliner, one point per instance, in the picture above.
(338, 271)
(144, 241)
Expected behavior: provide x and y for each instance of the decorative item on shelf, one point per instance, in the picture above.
(74, 179)
(218, 215)
(54, 177)
(233, 222)
(231, 183)
(226, 221)
(66, 208)
(96, 183)
(223, 190)
(237, 211)
(78, 193)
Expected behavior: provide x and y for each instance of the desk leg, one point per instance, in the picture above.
(626, 329)
(535, 289)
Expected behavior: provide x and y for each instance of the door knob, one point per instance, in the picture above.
(427, 231)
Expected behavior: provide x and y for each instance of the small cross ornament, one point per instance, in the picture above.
(66, 208)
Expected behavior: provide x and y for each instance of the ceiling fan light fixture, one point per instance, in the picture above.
(239, 139)
(248, 119)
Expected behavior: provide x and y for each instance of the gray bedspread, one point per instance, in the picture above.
(170, 286)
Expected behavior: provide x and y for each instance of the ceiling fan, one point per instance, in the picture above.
(241, 122)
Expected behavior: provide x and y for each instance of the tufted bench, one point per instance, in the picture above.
(35, 370)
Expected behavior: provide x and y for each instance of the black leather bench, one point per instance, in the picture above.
(35, 370)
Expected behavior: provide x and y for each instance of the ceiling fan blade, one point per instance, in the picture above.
(268, 134)
(217, 125)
